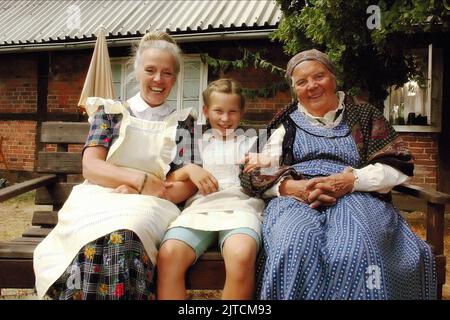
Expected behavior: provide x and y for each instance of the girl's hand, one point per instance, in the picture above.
(256, 160)
(203, 179)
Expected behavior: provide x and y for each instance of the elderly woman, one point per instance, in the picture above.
(105, 243)
(330, 230)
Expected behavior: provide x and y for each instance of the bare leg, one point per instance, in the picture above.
(174, 258)
(239, 253)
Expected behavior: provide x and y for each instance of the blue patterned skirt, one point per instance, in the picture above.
(360, 248)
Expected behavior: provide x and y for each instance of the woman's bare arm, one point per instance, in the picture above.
(180, 191)
(98, 171)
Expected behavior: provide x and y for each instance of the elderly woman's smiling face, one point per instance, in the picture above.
(315, 87)
(156, 75)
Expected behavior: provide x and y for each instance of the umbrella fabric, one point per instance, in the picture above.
(98, 81)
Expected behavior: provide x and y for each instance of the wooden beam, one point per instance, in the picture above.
(431, 196)
(19, 188)
(61, 132)
(16, 273)
(45, 218)
(56, 195)
(59, 162)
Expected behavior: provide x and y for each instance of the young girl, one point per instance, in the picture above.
(220, 211)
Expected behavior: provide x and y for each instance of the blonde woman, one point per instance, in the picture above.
(104, 246)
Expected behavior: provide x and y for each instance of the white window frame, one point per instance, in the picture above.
(435, 78)
(203, 81)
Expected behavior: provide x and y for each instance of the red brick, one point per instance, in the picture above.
(420, 145)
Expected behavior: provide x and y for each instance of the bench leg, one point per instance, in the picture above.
(435, 236)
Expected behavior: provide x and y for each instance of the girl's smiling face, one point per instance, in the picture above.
(223, 112)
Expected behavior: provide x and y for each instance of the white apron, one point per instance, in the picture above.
(92, 211)
(230, 207)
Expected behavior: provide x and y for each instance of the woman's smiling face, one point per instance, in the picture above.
(156, 75)
(315, 87)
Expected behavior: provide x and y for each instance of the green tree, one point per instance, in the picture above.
(367, 59)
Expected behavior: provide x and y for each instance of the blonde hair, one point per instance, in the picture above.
(223, 86)
(158, 40)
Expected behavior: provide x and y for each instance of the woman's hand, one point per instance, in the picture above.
(125, 189)
(295, 189)
(155, 187)
(334, 186)
(203, 179)
(256, 160)
(300, 190)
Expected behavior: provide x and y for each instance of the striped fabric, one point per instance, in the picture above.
(360, 248)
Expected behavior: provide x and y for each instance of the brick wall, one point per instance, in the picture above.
(18, 94)
(255, 79)
(67, 72)
(424, 149)
(19, 144)
(66, 75)
(18, 85)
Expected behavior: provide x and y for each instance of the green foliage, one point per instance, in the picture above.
(366, 59)
(249, 59)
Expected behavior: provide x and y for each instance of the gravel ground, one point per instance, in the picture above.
(16, 214)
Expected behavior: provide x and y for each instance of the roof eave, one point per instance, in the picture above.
(73, 44)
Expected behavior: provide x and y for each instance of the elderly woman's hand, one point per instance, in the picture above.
(335, 186)
(298, 189)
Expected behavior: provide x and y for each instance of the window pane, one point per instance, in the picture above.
(190, 90)
(131, 84)
(192, 70)
(191, 83)
(117, 76)
(172, 103)
(173, 92)
(409, 105)
(191, 104)
(116, 72)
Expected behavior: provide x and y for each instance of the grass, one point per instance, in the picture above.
(27, 197)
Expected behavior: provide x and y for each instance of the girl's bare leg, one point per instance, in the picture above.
(239, 253)
(174, 258)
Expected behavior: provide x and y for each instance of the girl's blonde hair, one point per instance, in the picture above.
(159, 40)
(224, 86)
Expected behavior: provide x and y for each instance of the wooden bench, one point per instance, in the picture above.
(61, 170)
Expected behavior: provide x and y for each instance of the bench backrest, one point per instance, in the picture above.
(63, 158)
(61, 144)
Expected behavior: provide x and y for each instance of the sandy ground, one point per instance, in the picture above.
(16, 215)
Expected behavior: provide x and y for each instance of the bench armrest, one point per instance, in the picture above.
(430, 196)
(435, 224)
(22, 187)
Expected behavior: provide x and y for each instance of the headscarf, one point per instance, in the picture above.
(312, 54)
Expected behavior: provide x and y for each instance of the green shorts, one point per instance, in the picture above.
(201, 240)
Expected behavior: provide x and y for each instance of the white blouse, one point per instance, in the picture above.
(374, 177)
